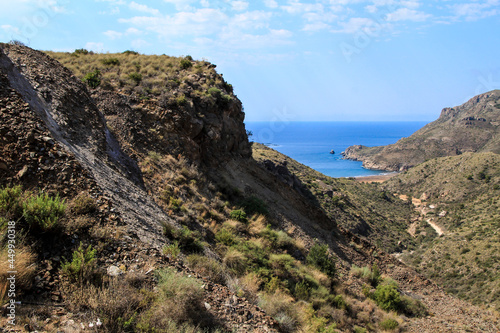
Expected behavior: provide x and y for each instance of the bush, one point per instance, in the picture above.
(387, 297)
(215, 92)
(43, 211)
(371, 276)
(253, 205)
(188, 240)
(181, 296)
(136, 77)
(235, 261)
(10, 201)
(225, 237)
(93, 79)
(181, 100)
(318, 256)
(389, 324)
(412, 307)
(129, 52)
(81, 267)
(110, 62)
(186, 63)
(172, 250)
(81, 51)
(83, 204)
(239, 215)
(207, 267)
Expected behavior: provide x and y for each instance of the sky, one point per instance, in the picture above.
(294, 60)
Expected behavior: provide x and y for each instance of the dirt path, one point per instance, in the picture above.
(435, 227)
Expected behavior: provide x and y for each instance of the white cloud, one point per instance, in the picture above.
(96, 47)
(355, 24)
(406, 14)
(201, 22)
(10, 29)
(111, 34)
(296, 7)
(239, 5)
(250, 20)
(181, 4)
(316, 26)
(139, 43)
(474, 11)
(270, 3)
(113, 2)
(273, 38)
(143, 8)
(133, 31)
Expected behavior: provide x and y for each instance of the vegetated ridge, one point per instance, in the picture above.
(471, 127)
(460, 195)
(137, 212)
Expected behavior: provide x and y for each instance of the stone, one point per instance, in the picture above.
(114, 271)
(22, 172)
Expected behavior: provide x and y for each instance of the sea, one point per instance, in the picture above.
(311, 143)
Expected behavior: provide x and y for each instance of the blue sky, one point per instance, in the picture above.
(294, 60)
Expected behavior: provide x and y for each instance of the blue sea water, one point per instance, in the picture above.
(310, 143)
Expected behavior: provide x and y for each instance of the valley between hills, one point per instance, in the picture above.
(139, 205)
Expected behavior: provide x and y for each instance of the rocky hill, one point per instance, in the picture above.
(458, 195)
(471, 127)
(138, 207)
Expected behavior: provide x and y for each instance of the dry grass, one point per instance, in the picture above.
(24, 265)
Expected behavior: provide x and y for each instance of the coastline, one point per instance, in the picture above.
(375, 179)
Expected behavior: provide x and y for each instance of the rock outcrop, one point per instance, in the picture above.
(471, 127)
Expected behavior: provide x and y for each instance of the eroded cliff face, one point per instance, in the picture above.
(109, 132)
(470, 127)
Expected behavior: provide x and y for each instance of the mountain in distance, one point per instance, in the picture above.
(471, 127)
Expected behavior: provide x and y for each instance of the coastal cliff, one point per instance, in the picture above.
(471, 127)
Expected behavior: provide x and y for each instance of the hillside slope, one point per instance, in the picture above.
(363, 209)
(145, 214)
(471, 127)
(460, 195)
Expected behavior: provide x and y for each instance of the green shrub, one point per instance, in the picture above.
(136, 77)
(318, 256)
(301, 290)
(389, 324)
(83, 204)
(207, 267)
(181, 100)
(339, 302)
(81, 267)
(239, 215)
(215, 92)
(253, 205)
(387, 297)
(225, 237)
(371, 276)
(93, 79)
(188, 240)
(10, 201)
(180, 300)
(110, 62)
(81, 51)
(412, 307)
(186, 63)
(172, 250)
(129, 52)
(43, 211)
